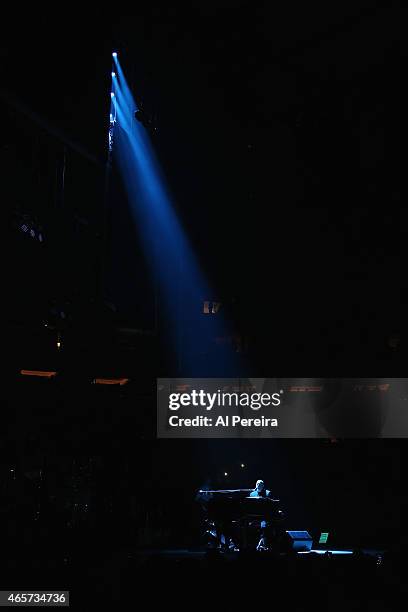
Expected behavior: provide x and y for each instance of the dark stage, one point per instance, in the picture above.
(332, 580)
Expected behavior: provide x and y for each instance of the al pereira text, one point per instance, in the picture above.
(222, 421)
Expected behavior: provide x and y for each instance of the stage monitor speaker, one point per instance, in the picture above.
(299, 540)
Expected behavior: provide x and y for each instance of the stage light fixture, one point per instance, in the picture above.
(114, 54)
(113, 75)
(29, 226)
(112, 94)
(38, 373)
(110, 381)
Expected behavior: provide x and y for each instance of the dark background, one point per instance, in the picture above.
(281, 131)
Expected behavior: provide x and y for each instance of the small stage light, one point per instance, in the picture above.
(110, 381)
(113, 74)
(225, 473)
(114, 54)
(242, 465)
(39, 373)
(29, 226)
(112, 94)
(58, 344)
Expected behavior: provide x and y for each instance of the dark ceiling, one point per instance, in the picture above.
(282, 132)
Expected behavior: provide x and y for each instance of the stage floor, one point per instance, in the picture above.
(185, 553)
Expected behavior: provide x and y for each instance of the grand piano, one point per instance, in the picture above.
(235, 509)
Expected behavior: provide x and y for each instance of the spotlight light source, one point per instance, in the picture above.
(225, 473)
(113, 75)
(114, 54)
(242, 465)
(112, 94)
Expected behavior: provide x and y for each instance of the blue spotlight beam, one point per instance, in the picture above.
(182, 285)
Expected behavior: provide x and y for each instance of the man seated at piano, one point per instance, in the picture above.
(230, 512)
(262, 492)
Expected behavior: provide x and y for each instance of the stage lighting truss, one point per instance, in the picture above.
(112, 122)
(29, 226)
